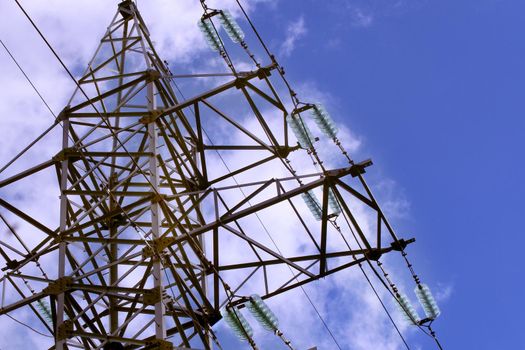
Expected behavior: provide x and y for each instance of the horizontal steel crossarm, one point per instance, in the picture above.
(106, 289)
(121, 39)
(312, 257)
(241, 185)
(105, 193)
(111, 154)
(75, 115)
(117, 76)
(218, 90)
(223, 220)
(329, 272)
(173, 310)
(76, 333)
(105, 240)
(91, 101)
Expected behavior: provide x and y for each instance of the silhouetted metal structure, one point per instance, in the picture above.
(146, 214)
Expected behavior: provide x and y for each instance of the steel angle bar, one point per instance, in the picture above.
(106, 216)
(281, 190)
(260, 117)
(111, 92)
(380, 211)
(101, 65)
(123, 325)
(107, 115)
(118, 76)
(237, 125)
(243, 169)
(111, 134)
(31, 144)
(112, 39)
(352, 218)
(109, 338)
(267, 250)
(27, 300)
(356, 194)
(14, 250)
(28, 218)
(310, 279)
(324, 228)
(102, 294)
(249, 197)
(33, 170)
(259, 92)
(215, 91)
(90, 63)
(313, 257)
(244, 281)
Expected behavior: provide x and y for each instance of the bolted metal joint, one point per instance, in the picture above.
(401, 244)
(126, 9)
(152, 75)
(373, 254)
(159, 344)
(11, 265)
(67, 153)
(264, 72)
(64, 330)
(152, 296)
(156, 246)
(151, 117)
(359, 168)
(64, 114)
(240, 83)
(59, 286)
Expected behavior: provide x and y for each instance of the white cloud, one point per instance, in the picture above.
(443, 292)
(295, 31)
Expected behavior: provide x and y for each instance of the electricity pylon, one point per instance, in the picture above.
(153, 239)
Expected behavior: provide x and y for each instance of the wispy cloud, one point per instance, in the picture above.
(295, 31)
(444, 292)
(365, 13)
(360, 17)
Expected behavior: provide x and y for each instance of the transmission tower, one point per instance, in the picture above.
(154, 238)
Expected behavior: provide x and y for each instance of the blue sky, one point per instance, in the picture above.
(435, 89)
(432, 91)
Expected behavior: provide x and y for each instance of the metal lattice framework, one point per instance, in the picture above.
(143, 252)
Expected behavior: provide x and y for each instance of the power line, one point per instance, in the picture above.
(21, 153)
(295, 101)
(28, 326)
(27, 78)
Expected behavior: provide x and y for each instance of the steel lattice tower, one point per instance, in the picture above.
(140, 255)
